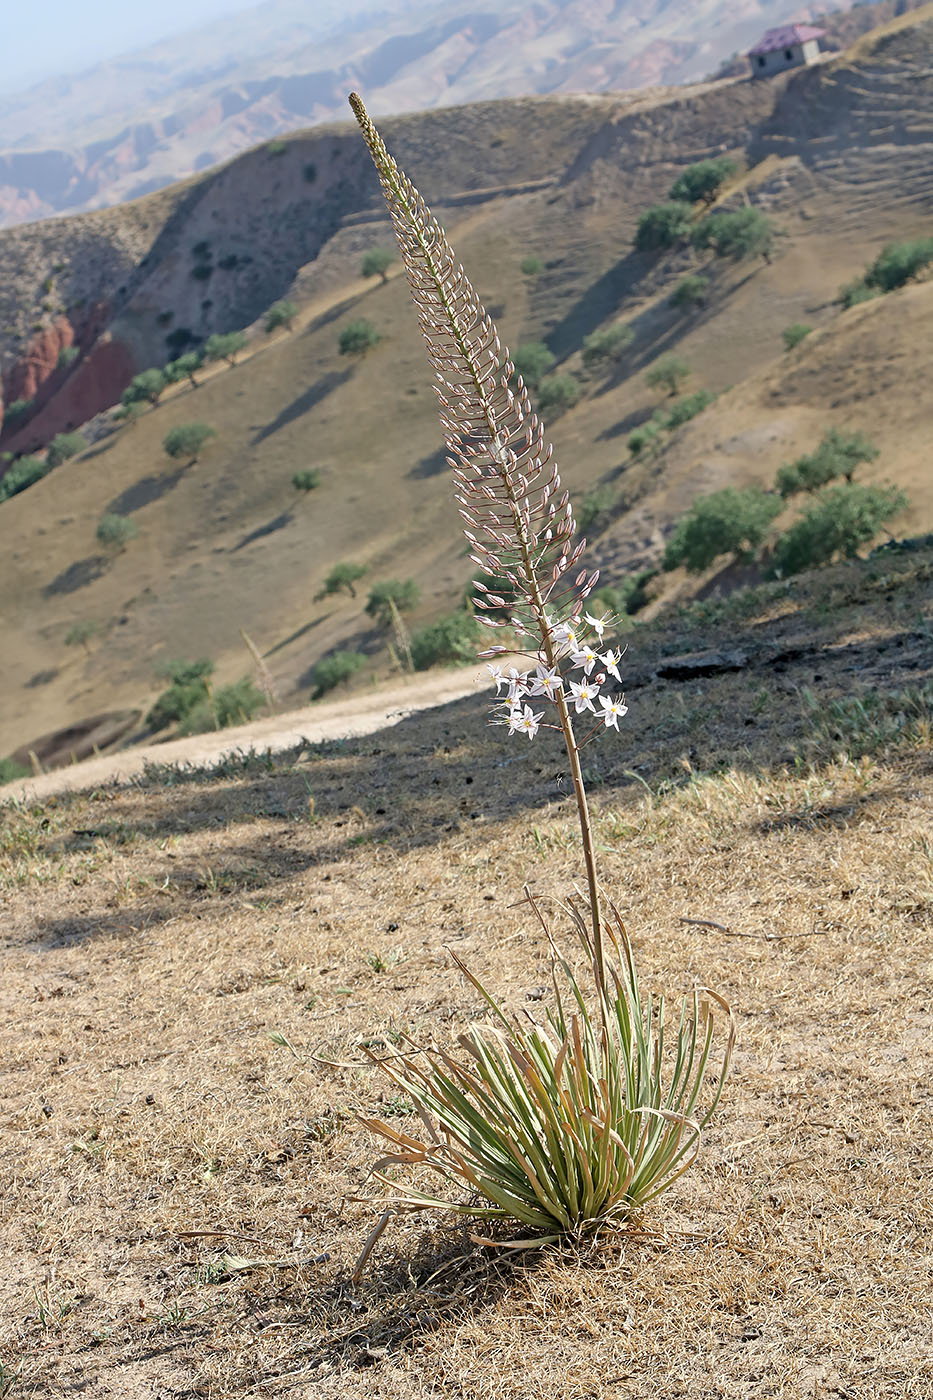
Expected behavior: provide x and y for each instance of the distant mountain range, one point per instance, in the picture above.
(136, 124)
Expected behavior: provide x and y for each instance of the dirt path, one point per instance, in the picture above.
(336, 719)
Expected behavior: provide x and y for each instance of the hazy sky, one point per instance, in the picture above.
(62, 36)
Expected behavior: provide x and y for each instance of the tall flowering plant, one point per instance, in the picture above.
(564, 1125)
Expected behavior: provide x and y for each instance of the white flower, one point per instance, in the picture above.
(585, 658)
(546, 682)
(584, 694)
(517, 684)
(613, 710)
(523, 721)
(610, 660)
(598, 624)
(565, 636)
(498, 677)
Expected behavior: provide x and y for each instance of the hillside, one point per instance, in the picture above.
(226, 545)
(137, 123)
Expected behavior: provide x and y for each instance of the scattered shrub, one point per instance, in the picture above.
(668, 372)
(190, 685)
(276, 148)
(187, 440)
(663, 226)
(80, 633)
(341, 578)
(306, 480)
(179, 339)
(645, 439)
(854, 293)
(25, 472)
(607, 344)
(63, 446)
(17, 410)
(358, 337)
(449, 641)
(309, 171)
(838, 454)
(403, 593)
(899, 263)
(67, 356)
(686, 408)
(690, 292)
(724, 522)
(740, 233)
(532, 361)
(228, 262)
(201, 250)
(793, 335)
(11, 771)
(557, 394)
(703, 181)
(202, 271)
(837, 525)
(333, 670)
(531, 266)
(225, 347)
(114, 532)
(129, 412)
(376, 263)
(219, 709)
(594, 507)
(281, 313)
(147, 387)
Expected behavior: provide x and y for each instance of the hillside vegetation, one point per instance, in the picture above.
(232, 542)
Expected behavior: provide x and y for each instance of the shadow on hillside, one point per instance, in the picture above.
(145, 491)
(77, 575)
(298, 632)
(432, 465)
(598, 303)
(52, 934)
(304, 403)
(261, 531)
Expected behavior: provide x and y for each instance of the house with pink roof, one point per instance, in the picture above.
(790, 46)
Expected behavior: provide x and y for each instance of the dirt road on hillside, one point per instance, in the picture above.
(337, 719)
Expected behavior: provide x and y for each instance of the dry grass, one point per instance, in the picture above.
(184, 955)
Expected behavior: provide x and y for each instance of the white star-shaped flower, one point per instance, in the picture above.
(610, 660)
(583, 696)
(585, 658)
(598, 624)
(523, 721)
(546, 682)
(613, 710)
(497, 676)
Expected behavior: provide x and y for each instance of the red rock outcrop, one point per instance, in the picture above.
(92, 386)
(36, 375)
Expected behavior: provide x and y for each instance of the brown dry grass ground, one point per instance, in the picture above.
(180, 1171)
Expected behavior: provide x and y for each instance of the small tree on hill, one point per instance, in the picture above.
(63, 446)
(80, 633)
(189, 687)
(558, 394)
(114, 532)
(225, 347)
(129, 413)
(341, 578)
(532, 361)
(645, 440)
(663, 226)
(532, 266)
(686, 408)
(187, 440)
(703, 181)
(837, 525)
(794, 334)
(609, 343)
(899, 263)
(724, 522)
(404, 594)
(24, 472)
(376, 263)
(690, 292)
(333, 670)
(358, 337)
(450, 641)
(838, 454)
(148, 387)
(307, 480)
(184, 367)
(742, 233)
(668, 372)
(282, 313)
